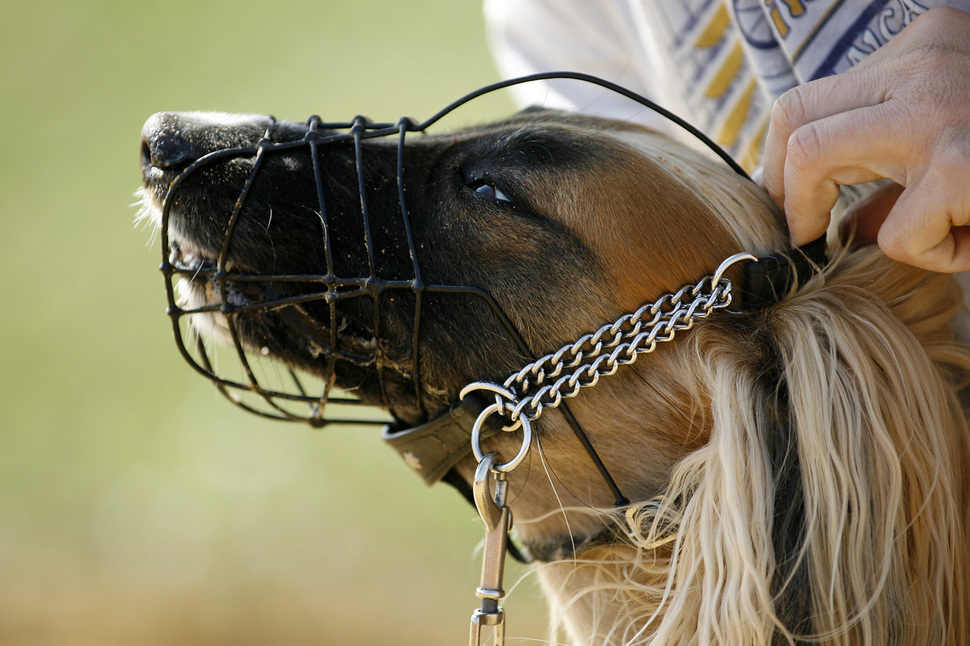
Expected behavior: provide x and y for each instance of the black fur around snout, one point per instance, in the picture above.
(398, 283)
(283, 226)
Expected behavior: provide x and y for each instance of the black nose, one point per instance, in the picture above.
(165, 143)
(173, 140)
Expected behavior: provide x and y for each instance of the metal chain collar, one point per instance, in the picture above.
(546, 382)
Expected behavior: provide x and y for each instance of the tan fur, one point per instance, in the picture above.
(872, 376)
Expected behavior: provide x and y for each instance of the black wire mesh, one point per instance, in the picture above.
(261, 385)
(245, 372)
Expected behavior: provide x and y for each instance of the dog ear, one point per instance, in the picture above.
(830, 500)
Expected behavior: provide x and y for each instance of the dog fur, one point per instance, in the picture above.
(799, 473)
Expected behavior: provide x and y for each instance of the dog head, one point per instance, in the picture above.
(403, 269)
(810, 447)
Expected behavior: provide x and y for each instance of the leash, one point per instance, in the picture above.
(497, 518)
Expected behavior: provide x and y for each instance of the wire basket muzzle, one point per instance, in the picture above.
(297, 282)
(234, 240)
(293, 274)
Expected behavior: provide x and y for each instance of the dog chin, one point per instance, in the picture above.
(209, 325)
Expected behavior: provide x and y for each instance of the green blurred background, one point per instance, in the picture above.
(136, 505)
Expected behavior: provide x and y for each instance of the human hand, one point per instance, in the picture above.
(903, 114)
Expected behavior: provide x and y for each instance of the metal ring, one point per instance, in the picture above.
(487, 386)
(476, 440)
(736, 258)
(500, 392)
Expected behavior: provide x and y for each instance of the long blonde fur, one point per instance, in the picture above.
(855, 377)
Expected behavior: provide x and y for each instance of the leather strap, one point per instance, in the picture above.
(433, 448)
(769, 279)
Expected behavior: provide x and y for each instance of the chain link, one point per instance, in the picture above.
(546, 382)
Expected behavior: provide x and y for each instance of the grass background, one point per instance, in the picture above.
(136, 505)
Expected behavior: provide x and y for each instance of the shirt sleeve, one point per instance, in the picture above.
(591, 36)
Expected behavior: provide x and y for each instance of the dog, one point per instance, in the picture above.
(795, 473)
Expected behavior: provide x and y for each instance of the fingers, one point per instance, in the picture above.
(808, 104)
(900, 114)
(927, 227)
(923, 226)
(851, 147)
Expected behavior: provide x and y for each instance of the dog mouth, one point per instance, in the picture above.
(289, 251)
(264, 309)
(186, 257)
(199, 272)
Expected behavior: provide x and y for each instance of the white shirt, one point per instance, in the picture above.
(720, 64)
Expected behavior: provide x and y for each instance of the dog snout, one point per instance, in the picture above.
(173, 140)
(165, 144)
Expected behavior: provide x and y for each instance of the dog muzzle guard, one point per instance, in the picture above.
(432, 448)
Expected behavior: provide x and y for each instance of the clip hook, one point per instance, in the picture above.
(498, 521)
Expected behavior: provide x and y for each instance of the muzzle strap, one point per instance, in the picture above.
(769, 279)
(433, 448)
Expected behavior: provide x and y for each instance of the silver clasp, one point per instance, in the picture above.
(505, 404)
(498, 521)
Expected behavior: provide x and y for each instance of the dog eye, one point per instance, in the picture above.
(490, 191)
